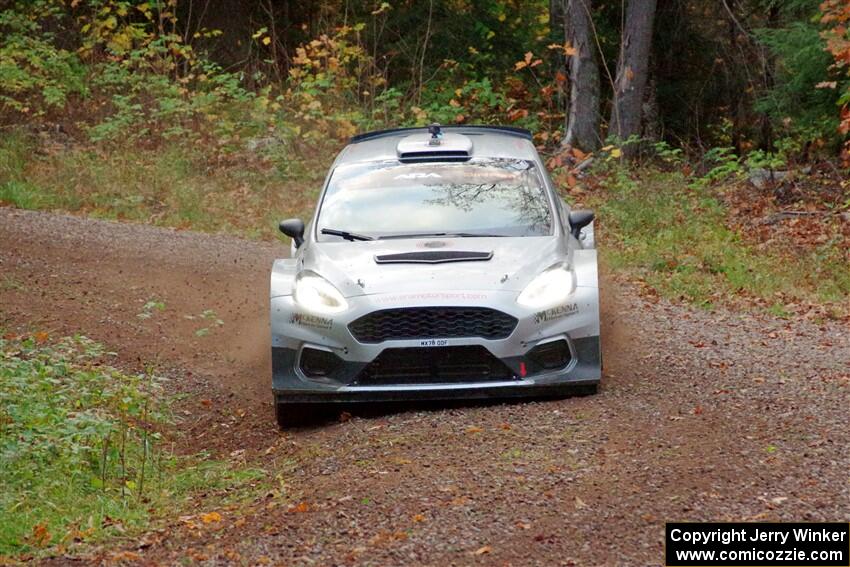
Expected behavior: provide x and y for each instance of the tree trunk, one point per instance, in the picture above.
(632, 71)
(583, 117)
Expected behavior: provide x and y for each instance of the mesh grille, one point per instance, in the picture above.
(432, 323)
(445, 365)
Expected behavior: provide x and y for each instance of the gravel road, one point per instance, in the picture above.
(702, 416)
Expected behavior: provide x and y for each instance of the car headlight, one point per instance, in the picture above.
(315, 293)
(550, 288)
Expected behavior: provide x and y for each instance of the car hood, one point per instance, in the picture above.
(352, 266)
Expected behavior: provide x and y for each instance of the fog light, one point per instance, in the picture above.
(549, 356)
(317, 363)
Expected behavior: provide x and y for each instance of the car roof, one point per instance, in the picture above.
(488, 142)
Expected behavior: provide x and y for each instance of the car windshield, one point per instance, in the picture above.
(481, 197)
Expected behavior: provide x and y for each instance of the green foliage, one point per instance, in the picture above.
(802, 100)
(721, 162)
(81, 449)
(476, 101)
(35, 75)
(667, 153)
(760, 159)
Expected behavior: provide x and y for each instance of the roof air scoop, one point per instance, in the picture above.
(436, 134)
(434, 146)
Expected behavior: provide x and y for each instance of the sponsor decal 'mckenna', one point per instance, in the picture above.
(556, 313)
(306, 320)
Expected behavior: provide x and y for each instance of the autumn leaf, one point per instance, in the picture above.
(41, 336)
(418, 518)
(40, 536)
(125, 557)
(474, 429)
(267, 40)
(300, 508)
(211, 517)
(482, 550)
(517, 113)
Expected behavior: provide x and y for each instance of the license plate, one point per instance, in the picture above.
(434, 342)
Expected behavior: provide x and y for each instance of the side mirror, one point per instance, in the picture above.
(579, 220)
(294, 228)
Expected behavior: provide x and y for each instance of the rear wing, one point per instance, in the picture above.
(460, 129)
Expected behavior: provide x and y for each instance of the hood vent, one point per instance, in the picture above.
(441, 155)
(436, 257)
(419, 148)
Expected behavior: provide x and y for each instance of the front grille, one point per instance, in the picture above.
(446, 365)
(432, 322)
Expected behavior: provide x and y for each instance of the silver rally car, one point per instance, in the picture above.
(440, 264)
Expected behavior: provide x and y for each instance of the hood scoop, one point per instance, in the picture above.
(433, 257)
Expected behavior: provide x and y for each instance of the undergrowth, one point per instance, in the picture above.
(167, 186)
(83, 453)
(673, 233)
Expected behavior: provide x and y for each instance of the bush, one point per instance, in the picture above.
(81, 448)
(36, 76)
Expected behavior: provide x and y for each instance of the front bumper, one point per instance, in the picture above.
(294, 332)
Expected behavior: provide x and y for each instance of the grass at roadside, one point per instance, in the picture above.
(84, 451)
(674, 234)
(167, 186)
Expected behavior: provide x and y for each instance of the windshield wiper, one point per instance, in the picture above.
(352, 236)
(446, 234)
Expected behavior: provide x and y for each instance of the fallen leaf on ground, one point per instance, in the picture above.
(210, 517)
(418, 518)
(119, 556)
(300, 508)
(40, 536)
(474, 429)
(483, 550)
